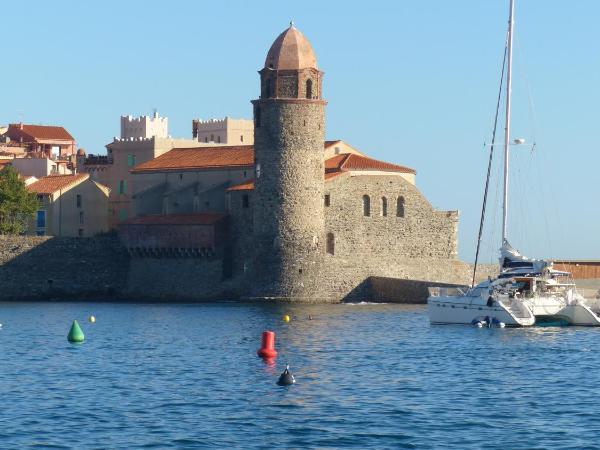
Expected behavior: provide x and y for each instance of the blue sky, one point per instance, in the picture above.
(412, 82)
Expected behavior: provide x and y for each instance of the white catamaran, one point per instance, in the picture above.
(526, 291)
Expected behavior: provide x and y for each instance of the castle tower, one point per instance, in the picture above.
(289, 130)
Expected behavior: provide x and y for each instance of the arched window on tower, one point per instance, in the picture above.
(268, 91)
(309, 88)
(330, 243)
(257, 117)
(366, 205)
(400, 207)
(383, 206)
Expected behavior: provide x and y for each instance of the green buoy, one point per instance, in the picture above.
(75, 333)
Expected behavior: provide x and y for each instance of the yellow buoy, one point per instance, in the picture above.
(286, 318)
(92, 319)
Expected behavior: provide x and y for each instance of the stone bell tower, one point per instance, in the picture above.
(289, 130)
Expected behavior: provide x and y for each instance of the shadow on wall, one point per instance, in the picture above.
(35, 268)
(394, 290)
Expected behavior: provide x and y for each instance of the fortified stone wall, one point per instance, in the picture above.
(34, 267)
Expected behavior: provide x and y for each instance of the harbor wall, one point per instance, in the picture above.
(39, 268)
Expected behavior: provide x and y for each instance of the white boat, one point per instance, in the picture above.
(526, 291)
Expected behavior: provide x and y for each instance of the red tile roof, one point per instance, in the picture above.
(248, 186)
(34, 132)
(176, 219)
(349, 161)
(199, 158)
(54, 183)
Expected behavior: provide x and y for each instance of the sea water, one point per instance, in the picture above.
(368, 376)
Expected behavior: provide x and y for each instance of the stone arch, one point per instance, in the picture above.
(366, 205)
(384, 206)
(400, 207)
(309, 86)
(330, 243)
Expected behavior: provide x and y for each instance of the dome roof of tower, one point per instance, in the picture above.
(291, 51)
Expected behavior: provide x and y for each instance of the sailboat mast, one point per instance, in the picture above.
(507, 126)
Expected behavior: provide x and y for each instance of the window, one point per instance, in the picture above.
(245, 201)
(400, 207)
(219, 139)
(180, 176)
(268, 91)
(257, 170)
(78, 200)
(212, 138)
(245, 174)
(327, 200)
(123, 214)
(205, 138)
(366, 206)
(40, 221)
(80, 232)
(81, 217)
(337, 150)
(130, 160)
(241, 138)
(257, 117)
(122, 187)
(330, 244)
(309, 88)
(383, 206)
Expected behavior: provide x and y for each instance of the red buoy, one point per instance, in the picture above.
(267, 345)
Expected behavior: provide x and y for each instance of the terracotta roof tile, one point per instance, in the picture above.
(39, 132)
(199, 158)
(53, 183)
(349, 161)
(248, 186)
(176, 219)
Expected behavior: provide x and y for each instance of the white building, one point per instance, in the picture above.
(144, 127)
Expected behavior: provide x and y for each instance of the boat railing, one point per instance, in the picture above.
(439, 291)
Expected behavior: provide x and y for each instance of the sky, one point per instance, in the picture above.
(410, 82)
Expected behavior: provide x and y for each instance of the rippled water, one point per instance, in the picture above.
(368, 376)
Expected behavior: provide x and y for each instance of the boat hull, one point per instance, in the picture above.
(468, 310)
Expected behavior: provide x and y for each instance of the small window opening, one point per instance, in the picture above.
(81, 217)
(245, 201)
(206, 139)
(241, 138)
(327, 200)
(383, 206)
(309, 88)
(180, 176)
(80, 232)
(400, 207)
(257, 117)
(337, 150)
(330, 244)
(212, 138)
(219, 139)
(79, 200)
(366, 205)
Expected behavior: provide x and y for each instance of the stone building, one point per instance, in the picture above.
(224, 131)
(142, 139)
(70, 206)
(299, 217)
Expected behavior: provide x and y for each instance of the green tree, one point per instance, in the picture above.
(17, 205)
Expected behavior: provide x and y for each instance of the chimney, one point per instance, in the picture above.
(20, 125)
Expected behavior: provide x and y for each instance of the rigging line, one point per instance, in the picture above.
(532, 112)
(487, 180)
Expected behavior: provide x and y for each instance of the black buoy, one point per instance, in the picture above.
(286, 378)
